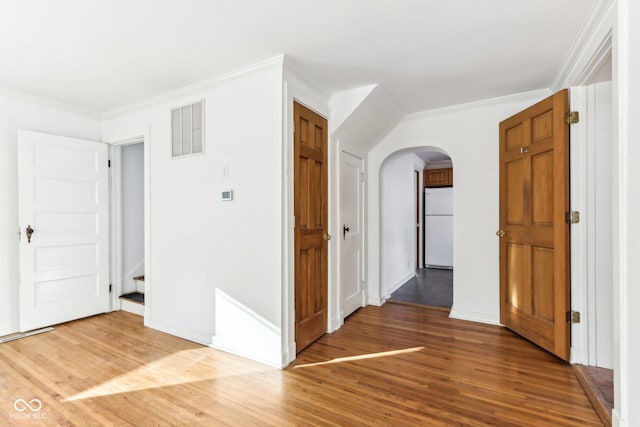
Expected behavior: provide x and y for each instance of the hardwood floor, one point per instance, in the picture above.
(390, 365)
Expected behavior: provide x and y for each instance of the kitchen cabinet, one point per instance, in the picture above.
(438, 177)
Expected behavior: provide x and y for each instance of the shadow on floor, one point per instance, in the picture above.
(430, 286)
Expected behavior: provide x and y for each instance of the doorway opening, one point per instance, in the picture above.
(416, 246)
(128, 235)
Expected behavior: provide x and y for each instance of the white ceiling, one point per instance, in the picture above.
(99, 55)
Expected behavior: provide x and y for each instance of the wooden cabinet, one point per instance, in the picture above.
(438, 177)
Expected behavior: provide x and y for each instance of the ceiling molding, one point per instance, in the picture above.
(292, 68)
(575, 67)
(482, 103)
(44, 102)
(200, 86)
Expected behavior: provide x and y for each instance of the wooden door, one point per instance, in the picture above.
(351, 256)
(534, 244)
(311, 234)
(63, 199)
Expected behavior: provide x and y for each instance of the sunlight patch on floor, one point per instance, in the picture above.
(362, 357)
(180, 368)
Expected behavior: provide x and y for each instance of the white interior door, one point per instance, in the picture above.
(63, 197)
(351, 262)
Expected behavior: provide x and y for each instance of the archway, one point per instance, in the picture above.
(416, 250)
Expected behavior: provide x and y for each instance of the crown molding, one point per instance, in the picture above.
(276, 61)
(593, 36)
(291, 67)
(542, 93)
(45, 102)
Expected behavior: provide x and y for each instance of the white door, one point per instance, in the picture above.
(63, 197)
(351, 260)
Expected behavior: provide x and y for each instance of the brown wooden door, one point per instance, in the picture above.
(310, 210)
(534, 250)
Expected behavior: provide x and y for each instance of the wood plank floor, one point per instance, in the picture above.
(394, 365)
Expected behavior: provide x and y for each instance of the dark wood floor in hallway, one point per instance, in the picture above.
(390, 365)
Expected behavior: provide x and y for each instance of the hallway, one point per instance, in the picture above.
(431, 287)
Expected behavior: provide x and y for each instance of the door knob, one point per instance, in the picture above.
(326, 236)
(501, 233)
(345, 229)
(29, 233)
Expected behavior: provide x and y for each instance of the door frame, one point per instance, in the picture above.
(115, 235)
(582, 189)
(418, 217)
(296, 88)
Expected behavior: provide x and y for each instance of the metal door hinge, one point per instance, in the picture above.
(110, 288)
(362, 176)
(109, 163)
(573, 316)
(572, 217)
(571, 117)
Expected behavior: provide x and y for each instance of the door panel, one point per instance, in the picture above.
(63, 196)
(534, 251)
(310, 210)
(351, 265)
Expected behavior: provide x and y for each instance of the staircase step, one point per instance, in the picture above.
(137, 297)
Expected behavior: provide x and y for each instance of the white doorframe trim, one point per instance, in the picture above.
(115, 155)
(296, 87)
(596, 52)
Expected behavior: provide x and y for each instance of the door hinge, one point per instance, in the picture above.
(362, 176)
(108, 163)
(110, 288)
(571, 117)
(572, 217)
(573, 316)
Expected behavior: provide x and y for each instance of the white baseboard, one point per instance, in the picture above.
(375, 301)
(398, 284)
(194, 336)
(242, 349)
(334, 324)
(132, 307)
(616, 420)
(473, 316)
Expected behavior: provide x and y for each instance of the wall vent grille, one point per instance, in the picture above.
(187, 130)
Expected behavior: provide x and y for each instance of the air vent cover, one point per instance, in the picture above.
(187, 130)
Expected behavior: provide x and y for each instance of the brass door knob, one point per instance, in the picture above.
(29, 231)
(500, 233)
(326, 236)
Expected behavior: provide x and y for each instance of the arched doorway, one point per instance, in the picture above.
(416, 227)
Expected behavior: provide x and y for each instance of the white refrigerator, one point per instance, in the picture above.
(438, 229)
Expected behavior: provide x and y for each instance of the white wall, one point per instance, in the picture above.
(398, 221)
(16, 113)
(132, 214)
(198, 243)
(469, 134)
